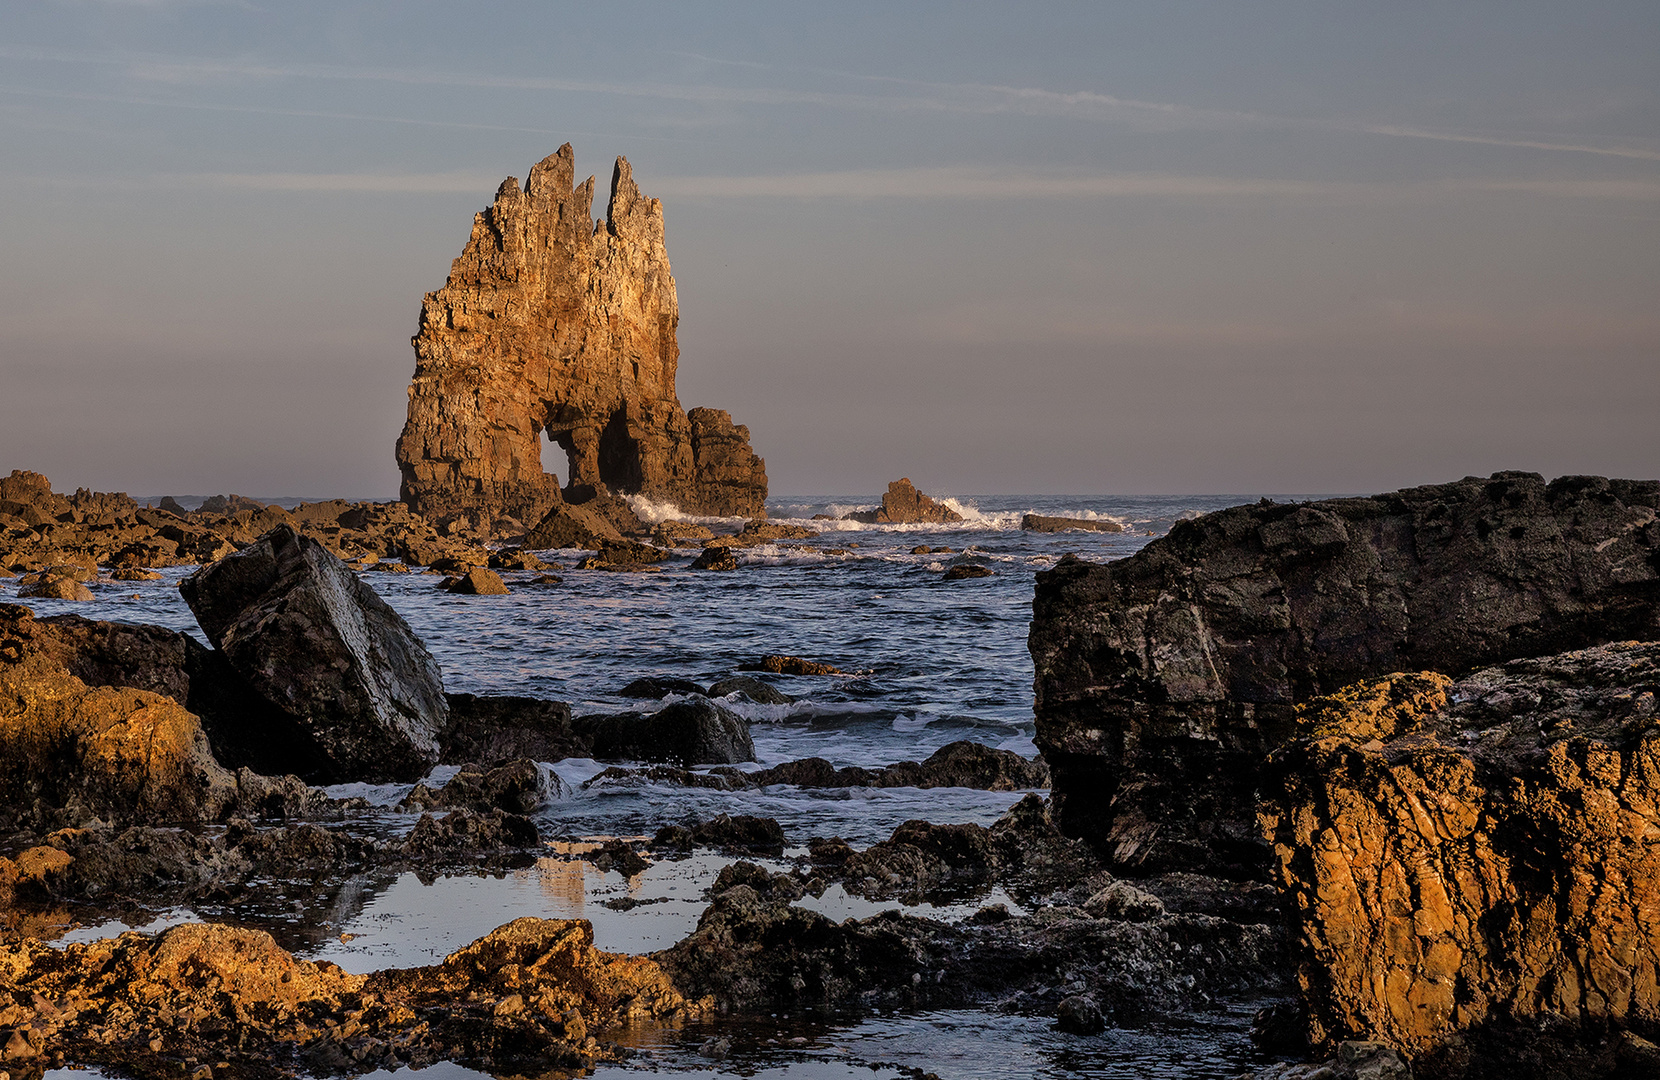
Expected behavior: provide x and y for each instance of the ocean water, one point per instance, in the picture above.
(926, 661)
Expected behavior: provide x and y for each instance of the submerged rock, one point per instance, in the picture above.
(1164, 679)
(325, 648)
(750, 689)
(549, 325)
(478, 581)
(903, 504)
(1461, 858)
(792, 665)
(963, 571)
(657, 687)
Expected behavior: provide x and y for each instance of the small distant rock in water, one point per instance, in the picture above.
(516, 559)
(477, 582)
(716, 558)
(1079, 1015)
(653, 688)
(903, 504)
(1041, 523)
(546, 579)
(967, 570)
(792, 665)
(751, 688)
(54, 588)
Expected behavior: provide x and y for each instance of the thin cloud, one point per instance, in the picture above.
(982, 183)
(968, 98)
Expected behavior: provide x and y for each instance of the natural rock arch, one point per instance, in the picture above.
(552, 323)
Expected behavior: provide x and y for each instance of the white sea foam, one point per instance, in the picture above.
(651, 511)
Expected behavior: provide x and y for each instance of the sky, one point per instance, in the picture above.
(1090, 248)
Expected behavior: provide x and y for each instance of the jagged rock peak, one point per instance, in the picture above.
(553, 324)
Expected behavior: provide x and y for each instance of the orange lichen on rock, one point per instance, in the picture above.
(1456, 855)
(529, 995)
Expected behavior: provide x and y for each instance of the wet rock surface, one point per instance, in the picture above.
(1164, 679)
(547, 324)
(495, 729)
(695, 731)
(322, 646)
(1463, 860)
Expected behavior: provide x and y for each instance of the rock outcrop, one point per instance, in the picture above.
(695, 731)
(1462, 858)
(70, 752)
(529, 997)
(552, 324)
(903, 504)
(1163, 680)
(323, 647)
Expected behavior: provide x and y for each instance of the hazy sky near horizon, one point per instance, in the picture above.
(1091, 247)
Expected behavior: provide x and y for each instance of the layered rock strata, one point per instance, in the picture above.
(1462, 858)
(552, 325)
(1164, 679)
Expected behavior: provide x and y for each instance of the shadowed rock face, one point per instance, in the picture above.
(323, 647)
(1459, 855)
(1164, 679)
(549, 323)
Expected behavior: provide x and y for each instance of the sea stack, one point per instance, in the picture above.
(553, 323)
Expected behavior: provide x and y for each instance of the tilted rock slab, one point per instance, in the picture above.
(551, 323)
(315, 641)
(1164, 679)
(1458, 858)
(903, 504)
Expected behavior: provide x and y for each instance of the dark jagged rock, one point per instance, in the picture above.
(1462, 860)
(716, 557)
(959, 764)
(548, 324)
(965, 571)
(753, 950)
(729, 832)
(695, 731)
(493, 730)
(1164, 679)
(903, 504)
(325, 648)
(517, 787)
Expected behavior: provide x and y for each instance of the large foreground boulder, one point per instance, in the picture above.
(1164, 679)
(1461, 860)
(326, 649)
